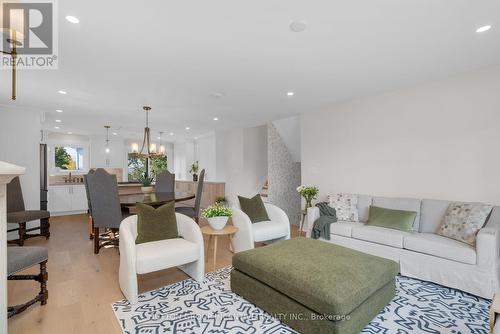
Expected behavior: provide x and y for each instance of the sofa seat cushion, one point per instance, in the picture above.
(268, 230)
(162, 254)
(380, 235)
(343, 228)
(436, 245)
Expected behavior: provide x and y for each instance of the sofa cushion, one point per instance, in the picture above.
(462, 221)
(399, 203)
(364, 202)
(268, 230)
(432, 213)
(158, 255)
(389, 218)
(156, 224)
(433, 244)
(343, 228)
(346, 206)
(379, 235)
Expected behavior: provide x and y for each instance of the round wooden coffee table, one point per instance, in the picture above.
(228, 230)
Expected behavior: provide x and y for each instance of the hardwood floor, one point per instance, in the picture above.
(82, 285)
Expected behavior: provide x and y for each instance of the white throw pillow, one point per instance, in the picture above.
(346, 206)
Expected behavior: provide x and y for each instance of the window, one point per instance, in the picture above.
(140, 166)
(69, 158)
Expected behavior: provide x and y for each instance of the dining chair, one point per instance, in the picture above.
(194, 212)
(17, 214)
(165, 182)
(104, 207)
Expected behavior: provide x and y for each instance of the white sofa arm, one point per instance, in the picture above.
(127, 272)
(243, 239)
(488, 242)
(312, 215)
(276, 214)
(191, 232)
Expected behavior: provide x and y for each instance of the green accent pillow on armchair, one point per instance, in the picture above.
(254, 208)
(156, 224)
(389, 218)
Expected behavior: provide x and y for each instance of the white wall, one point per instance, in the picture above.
(184, 156)
(20, 134)
(439, 140)
(289, 131)
(245, 152)
(205, 153)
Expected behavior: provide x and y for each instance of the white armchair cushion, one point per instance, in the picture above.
(380, 235)
(177, 252)
(269, 230)
(433, 244)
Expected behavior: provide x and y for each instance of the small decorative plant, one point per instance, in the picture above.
(220, 200)
(309, 193)
(194, 171)
(217, 215)
(146, 181)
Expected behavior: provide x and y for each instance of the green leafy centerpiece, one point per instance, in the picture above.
(217, 215)
(146, 181)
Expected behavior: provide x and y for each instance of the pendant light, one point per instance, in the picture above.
(148, 149)
(107, 139)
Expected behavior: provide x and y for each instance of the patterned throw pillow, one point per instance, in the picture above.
(346, 206)
(462, 221)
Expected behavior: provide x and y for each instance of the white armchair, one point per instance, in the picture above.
(277, 228)
(187, 253)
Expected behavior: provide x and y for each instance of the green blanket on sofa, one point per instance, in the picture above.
(327, 216)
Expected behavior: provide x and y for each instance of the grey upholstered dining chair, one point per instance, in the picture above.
(21, 258)
(165, 182)
(194, 212)
(17, 214)
(104, 207)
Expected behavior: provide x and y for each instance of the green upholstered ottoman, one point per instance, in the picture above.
(315, 286)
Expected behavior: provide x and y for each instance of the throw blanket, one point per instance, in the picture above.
(327, 216)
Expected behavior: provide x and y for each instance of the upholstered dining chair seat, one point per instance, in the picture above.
(20, 258)
(26, 216)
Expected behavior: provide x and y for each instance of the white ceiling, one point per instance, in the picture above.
(174, 55)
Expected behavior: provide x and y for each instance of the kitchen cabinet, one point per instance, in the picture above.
(67, 199)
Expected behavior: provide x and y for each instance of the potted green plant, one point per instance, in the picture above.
(194, 171)
(217, 215)
(309, 193)
(146, 181)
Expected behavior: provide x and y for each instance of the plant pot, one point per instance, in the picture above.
(195, 177)
(147, 190)
(217, 223)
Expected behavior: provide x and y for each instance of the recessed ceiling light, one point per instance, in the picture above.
(196, 138)
(70, 133)
(298, 26)
(483, 28)
(59, 110)
(58, 121)
(56, 127)
(188, 128)
(63, 92)
(72, 19)
(171, 133)
(158, 137)
(290, 93)
(216, 118)
(114, 133)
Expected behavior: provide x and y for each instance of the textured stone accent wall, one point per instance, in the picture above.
(284, 176)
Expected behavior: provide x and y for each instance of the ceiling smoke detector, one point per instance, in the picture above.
(298, 26)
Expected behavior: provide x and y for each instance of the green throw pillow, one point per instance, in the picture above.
(156, 224)
(254, 208)
(389, 218)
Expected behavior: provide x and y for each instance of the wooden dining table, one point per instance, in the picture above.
(154, 198)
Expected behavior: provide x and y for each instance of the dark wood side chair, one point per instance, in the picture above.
(165, 182)
(104, 207)
(20, 258)
(194, 212)
(17, 214)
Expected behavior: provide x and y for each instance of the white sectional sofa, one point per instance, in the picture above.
(423, 254)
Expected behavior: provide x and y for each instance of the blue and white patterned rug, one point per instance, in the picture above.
(211, 307)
